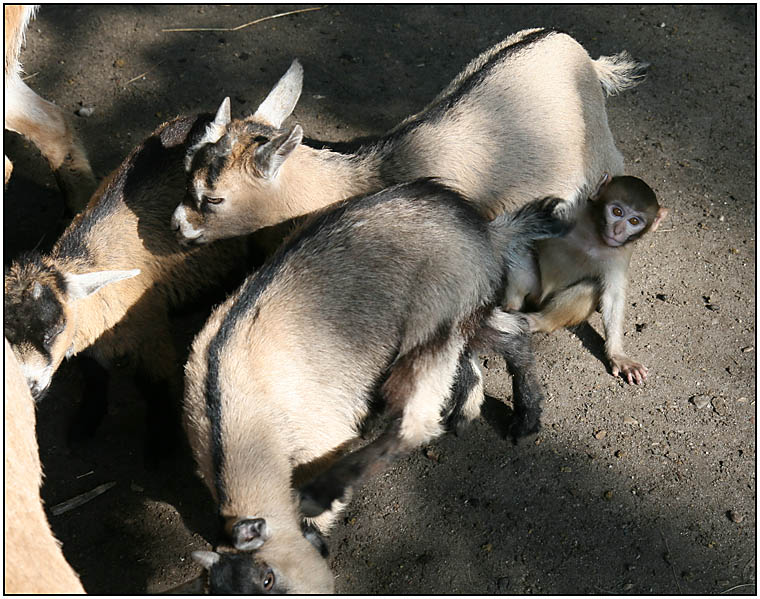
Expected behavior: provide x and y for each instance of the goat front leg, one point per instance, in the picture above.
(416, 393)
(349, 471)
(48, 128)
(467, 394)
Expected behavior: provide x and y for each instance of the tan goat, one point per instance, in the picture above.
(524, 120)
(109, 282)
(34, 563)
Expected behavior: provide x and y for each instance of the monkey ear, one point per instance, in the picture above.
(600, 187)
(661, 214)
(249, 534)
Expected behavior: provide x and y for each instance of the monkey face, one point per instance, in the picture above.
(621, 224)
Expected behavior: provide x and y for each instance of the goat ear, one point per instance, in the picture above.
(206, 558)
(80, 286)
(36, 290)
(312, 535)
(215, 129)
(600, 187)
(249, 534)
(661, 214)
(223, 117)
(283, 98)
(269, 158)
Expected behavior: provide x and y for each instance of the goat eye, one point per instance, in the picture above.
(617, 211)
(49, 336)
(268, 582)
(213, 200)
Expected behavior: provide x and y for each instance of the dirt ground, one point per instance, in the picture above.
(627, 490)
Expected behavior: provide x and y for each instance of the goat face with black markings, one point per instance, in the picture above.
(39, 314)
(287, 565)
(236, 162)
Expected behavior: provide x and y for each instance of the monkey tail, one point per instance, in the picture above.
(619, 72)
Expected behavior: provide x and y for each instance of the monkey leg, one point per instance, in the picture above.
(416, 392)
(565, 308)
(612, 307)
(523, 284)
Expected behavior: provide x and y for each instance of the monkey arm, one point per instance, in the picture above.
(612, 303)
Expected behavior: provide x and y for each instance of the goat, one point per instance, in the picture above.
(389, 295)
(110, 280)
(41, 121)
(525, 119)
(34, 563)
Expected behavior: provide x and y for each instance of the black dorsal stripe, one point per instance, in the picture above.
(253, 288)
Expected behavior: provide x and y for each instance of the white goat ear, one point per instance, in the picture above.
(36, 290)
(283, 98)
(206, 558)
(223, 118)
(216, 129)
(249, 534)
(80, 286)
(270, 157)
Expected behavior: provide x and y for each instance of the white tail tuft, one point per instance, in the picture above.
(619, 72)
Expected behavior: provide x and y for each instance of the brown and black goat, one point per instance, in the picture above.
(108, 284)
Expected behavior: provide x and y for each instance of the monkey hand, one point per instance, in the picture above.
(630, 370)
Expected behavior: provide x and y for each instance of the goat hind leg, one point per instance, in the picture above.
(508, 334)
(48, 128)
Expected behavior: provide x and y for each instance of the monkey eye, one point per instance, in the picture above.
(268, 581)
(634, 221)
(617, 211)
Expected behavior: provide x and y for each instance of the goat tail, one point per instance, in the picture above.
(619, 72)
(539, 219)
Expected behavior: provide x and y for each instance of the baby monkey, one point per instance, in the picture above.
(588, 268)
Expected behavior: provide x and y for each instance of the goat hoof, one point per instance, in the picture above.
(524, 427)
